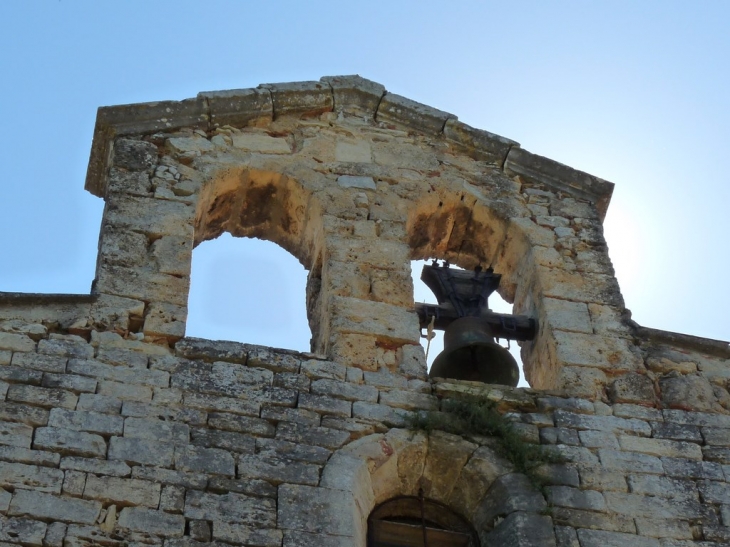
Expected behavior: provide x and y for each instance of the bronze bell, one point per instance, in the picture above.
(470, 353)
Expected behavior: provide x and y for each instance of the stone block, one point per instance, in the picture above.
(30, 457)
(73, 483)
(75, 347)
(99, 403)
(629, 462)
(676, 432)
(409, 400)
(663, 528)
(31, 477)
(479, 144)
(226, 440)
(522, 529)
(277, 470)
(152, 522)
(296, 415)
(93, 422)
(317, 510)
(241, 424)
(204, 460)
(231, 507)
(16, 342)
(403, 111)
(42, 396)
(172, 499)
(300, 98)
(637, 411)
(38, 361)
(355, 95)
(598, 439)
(591, 519)
(246, 535)
(392, 417)
(55, 533)
(355, 316)
(96, 466)
(239, 107)
(714, 492)
(119, 491)
(663, 487)
(508, 494)
(195, 481)
(315, 369)
(136, 409)
(26, 414)
(344, 390)
(27, 531)
(598, 478)
(325, 405)
(565, 496)
(275, 448)
(49, 507)
(222, 404)
(156, 430)
(165, 320)
(69, 382)
(602, 538)
(638, 505)
(17, 375)
(691, 469)
(124, 374)
(316, 436)
(689, 392)
(68, 441)
(632, 388)
(601, 423)
(141, 451)
(250, 487)
(660, 447)
(566, 315)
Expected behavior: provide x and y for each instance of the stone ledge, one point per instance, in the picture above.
(717, 348)
(239, 107)
(304, 98)
(479, 144)
(558, 176)
(355, 95)
(402, 110)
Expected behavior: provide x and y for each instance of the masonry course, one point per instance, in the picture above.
(116, 429)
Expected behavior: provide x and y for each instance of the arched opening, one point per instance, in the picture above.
(248, 290)
(411, 521)
(434, 346)
(252, 253)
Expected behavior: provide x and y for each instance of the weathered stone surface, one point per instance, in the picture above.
(68, 441)
(141, 451)
(204, 460)
(46, 506)
(601, 538)
(231, 507)
(29, 532)
(31, 415)
(276, 470)
(92, 422)
(93, 465)
(40, 479)
(152, 522)
(246, 535)
(316, 510)
(42, 396)
(522, 529)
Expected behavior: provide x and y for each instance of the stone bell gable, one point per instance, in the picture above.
(116, 429)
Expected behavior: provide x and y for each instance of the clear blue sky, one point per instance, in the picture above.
(634, 92)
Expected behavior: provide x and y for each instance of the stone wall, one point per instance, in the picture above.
(117, 430)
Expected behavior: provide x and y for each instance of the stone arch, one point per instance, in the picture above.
(471, 479)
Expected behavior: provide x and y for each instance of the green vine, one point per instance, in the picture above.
(480, 417)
